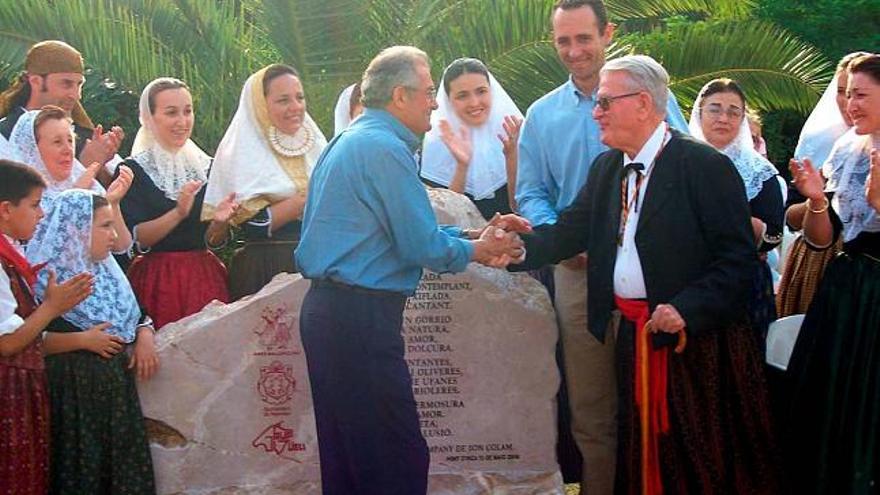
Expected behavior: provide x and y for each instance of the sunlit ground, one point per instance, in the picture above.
(572, 489)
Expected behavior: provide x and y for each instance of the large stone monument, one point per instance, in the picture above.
(230, 410)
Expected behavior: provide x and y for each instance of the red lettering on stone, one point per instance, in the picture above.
(278, 440)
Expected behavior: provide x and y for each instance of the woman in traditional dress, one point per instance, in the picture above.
(44, 140)
(471, 147)
(719, 118)
(174, 274)
(804, 265)
(265, 160)
(348, 108)
(834, 435)
(99, 444)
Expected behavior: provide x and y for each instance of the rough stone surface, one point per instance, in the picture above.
(233, 388)
(230, 409)
(452, 208)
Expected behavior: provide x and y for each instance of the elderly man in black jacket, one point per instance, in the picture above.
(665, 222)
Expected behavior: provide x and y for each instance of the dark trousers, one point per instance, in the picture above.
(368, 426)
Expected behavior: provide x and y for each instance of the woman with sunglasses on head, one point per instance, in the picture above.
(719, 118)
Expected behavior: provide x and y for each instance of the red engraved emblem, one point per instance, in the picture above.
(276, 331)
(276, 383)
(278, 440)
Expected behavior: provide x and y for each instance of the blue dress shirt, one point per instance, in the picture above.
(368, 221)
(557, 145)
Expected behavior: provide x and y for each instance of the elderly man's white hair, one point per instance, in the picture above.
(394, 66)
(644, 74)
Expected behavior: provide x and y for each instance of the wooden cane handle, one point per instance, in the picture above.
(681, 334)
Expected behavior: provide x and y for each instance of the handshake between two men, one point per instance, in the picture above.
(498, 243)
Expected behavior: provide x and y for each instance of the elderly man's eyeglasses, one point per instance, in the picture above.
(604, 102)
(715, 112)
(431, 92)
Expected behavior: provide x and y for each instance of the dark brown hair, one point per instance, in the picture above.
(99, 202)
(162, 84)
(598, 7)
(17, 181)
(723, 85)
(274, 71)
(460, 67)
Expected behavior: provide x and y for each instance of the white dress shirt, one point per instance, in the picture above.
(629, 282)
(9, 321)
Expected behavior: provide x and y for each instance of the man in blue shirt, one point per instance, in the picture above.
(368, 230)
(558, 143)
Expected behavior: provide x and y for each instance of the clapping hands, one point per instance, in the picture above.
(102, 145)
(120, 186)
(187, 197)
(226, 209)
(87, 179)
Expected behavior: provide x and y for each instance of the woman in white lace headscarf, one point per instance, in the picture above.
(174, 274)
(7, 151)
(805, 265)
(719, 118)
(44, 140)
(471, 147)
(835, 366)
(265, 160)
(95, 413)
(348, 108)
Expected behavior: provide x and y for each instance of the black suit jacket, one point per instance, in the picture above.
(694, 236)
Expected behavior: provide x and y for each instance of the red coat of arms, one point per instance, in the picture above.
(276, 384)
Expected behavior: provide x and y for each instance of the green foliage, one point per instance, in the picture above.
(836, 27)
(781, 129)
(776, 70)
(110, 104)
(215, 44)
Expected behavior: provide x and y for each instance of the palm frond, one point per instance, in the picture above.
(640, 10)
(777, 70)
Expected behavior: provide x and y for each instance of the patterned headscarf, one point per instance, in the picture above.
(24, 141)
(63, 241)
(753, 168)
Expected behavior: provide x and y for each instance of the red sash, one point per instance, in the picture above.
(21, 265)
(650, 392)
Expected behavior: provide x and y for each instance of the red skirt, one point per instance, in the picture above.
(24, 441)
(174, 285)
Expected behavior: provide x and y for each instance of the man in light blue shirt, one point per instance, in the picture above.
(368, 230)
(558, 142)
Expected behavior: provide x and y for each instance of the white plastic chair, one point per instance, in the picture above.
(781, 337)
